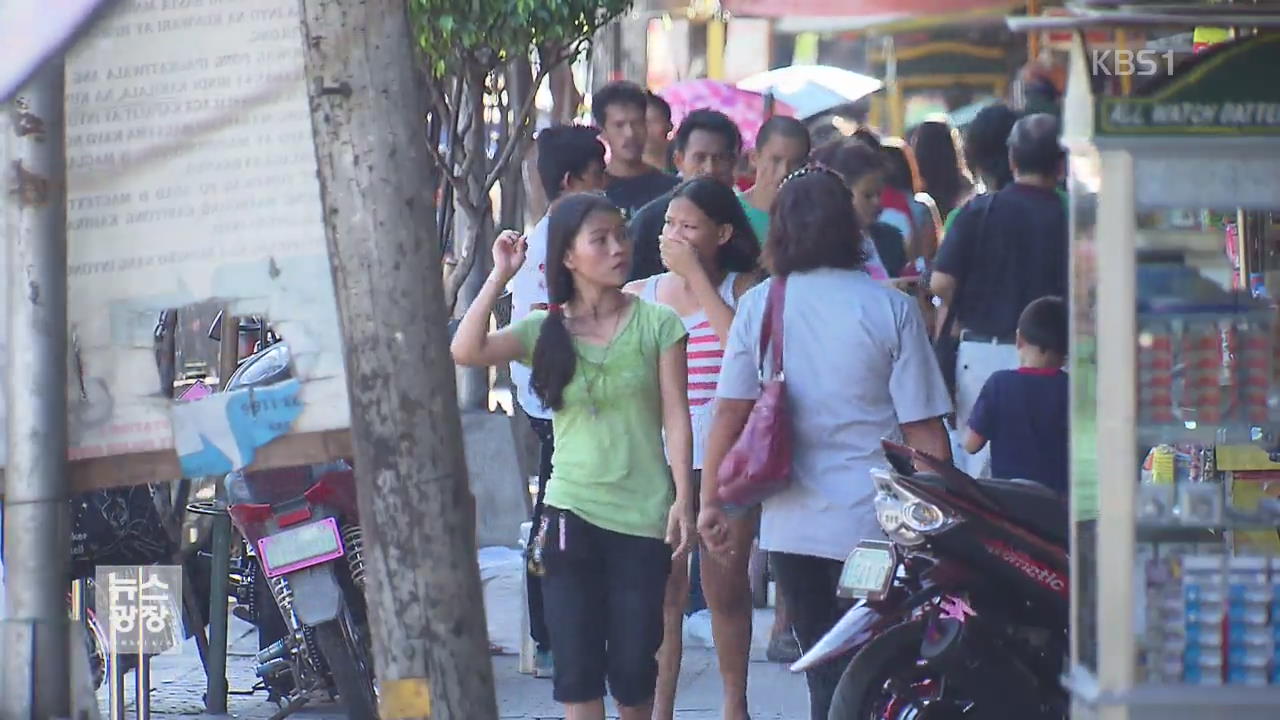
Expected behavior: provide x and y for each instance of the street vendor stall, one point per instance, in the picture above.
(1176, 382)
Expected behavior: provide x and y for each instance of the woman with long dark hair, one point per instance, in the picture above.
(902, 173)
(942, 173)
(711, 253)
(612, 369)
(859, 368)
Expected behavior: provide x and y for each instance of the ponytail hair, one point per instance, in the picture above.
(554, 359)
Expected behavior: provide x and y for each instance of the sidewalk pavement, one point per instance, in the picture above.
(178, 684)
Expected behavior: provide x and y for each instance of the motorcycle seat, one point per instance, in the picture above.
(1032, 505)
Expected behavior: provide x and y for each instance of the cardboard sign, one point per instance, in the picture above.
(191, 175)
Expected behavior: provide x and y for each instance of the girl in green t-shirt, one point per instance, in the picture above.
(612, 368)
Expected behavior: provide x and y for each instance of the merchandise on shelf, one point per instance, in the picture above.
(1213, 619)
(1206, 367)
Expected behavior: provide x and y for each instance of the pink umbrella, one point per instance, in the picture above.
(744, 107)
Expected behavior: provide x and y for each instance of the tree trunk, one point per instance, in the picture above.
(565, 96)
(519, 85)
(417, 512)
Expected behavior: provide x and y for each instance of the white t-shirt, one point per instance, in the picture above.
(858, 365)
(529, 288)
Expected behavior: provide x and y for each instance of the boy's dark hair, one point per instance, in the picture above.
(712, 121)
(617, 93)
(1043, 325)
(810, 204)
(851, 158)
(657, 101)
(783, 126)
(566, 150)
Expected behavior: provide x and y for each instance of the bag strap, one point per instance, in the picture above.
(974, 252)
(771, 326)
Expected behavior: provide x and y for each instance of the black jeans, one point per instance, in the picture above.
(808, 585)
(604, 593)
(537, 623)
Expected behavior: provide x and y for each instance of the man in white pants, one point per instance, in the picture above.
(1004, 250)
(979, 358)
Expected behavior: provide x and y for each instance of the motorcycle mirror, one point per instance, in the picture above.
(899, 458)
(956, 479)
(215, 328)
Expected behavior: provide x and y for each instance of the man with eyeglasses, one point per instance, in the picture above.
(706, 145)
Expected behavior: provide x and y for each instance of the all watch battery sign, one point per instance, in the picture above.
(1227, 90)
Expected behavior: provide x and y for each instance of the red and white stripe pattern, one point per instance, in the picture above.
(705, 356)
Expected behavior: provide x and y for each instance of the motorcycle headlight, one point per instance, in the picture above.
(922, 516)
(905, 518)
(889, 513)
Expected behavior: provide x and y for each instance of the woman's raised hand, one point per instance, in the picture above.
(679, 256)
(508, 253)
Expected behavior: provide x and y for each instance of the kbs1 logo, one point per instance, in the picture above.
(1142, 63)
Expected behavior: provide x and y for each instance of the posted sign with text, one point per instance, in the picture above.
(141, 607)
(191, 176)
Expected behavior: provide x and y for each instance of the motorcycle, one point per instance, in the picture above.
(301, 578)
(964, 613)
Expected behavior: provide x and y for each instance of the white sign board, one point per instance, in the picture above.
(191, 176)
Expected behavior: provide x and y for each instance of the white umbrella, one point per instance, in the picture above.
(812, 89)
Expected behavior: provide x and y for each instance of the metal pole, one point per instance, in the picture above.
(216, 688)
(220, 565)
(37, 524)
(115, 682)
(142, 687)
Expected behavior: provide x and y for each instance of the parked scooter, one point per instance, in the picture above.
(306, 550)
(965, 611)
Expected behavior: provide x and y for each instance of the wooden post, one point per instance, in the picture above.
(423, 585)
(715, 48)
(1033, 37)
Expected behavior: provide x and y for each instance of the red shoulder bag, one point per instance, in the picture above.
(759, 464)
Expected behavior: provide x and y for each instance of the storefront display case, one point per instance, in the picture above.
(1175, 204)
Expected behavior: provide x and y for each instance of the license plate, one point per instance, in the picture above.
(868, 572)
(300, 547)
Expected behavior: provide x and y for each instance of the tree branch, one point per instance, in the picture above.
(518, 125)
(440, 105)
(465, 259)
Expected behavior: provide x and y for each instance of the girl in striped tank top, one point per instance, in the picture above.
(711, 253)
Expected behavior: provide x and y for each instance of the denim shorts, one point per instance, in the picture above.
(603, 594)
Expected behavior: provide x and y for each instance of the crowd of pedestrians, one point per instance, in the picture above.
(921, 303)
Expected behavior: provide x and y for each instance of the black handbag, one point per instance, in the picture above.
(946, 346)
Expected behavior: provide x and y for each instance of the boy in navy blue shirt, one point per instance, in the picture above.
(1023, 413)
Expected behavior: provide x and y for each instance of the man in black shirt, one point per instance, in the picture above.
(631, 183)
(1004, 250)
(706, 145)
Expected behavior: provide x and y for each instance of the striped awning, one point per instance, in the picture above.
(795, 16)
(860, 8)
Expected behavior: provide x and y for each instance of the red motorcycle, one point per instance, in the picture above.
(301, 525)
(964, 613)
